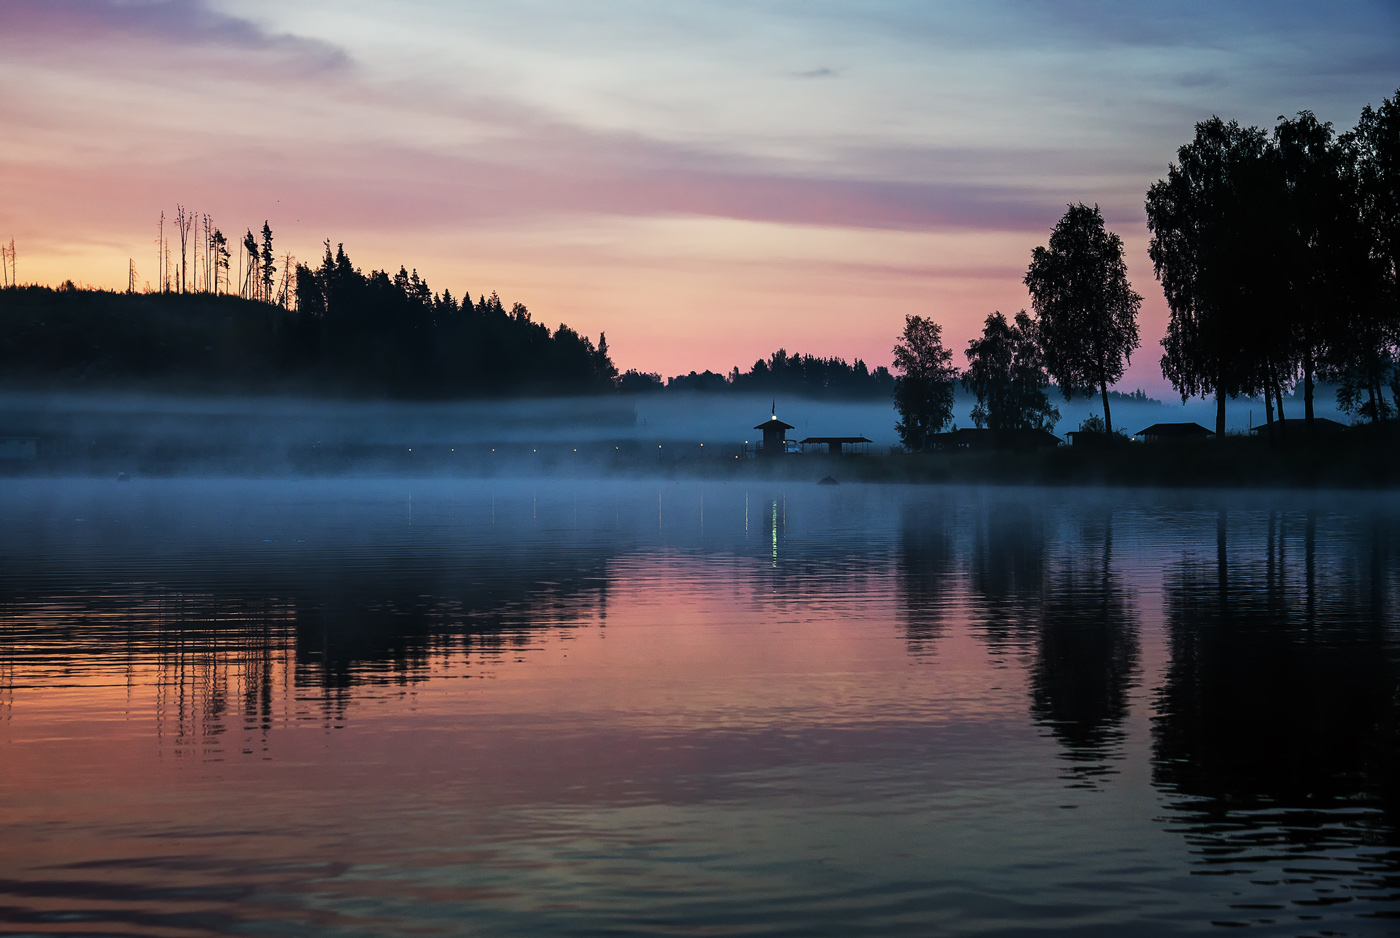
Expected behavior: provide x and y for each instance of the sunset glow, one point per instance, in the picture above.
(704, 181)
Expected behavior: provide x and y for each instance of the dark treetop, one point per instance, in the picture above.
(1087, 311)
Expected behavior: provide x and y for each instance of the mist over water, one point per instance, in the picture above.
(530, 706)
(103, 434)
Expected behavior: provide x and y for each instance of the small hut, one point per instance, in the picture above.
(774, 435)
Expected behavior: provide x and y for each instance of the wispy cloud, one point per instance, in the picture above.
(63, 23)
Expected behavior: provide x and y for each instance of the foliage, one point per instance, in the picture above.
(1362, 359)
(1278, 255)
(1212, 237)
(1086, 309)
(393, 335)
(923, 391)
(812, 376)
(1095, 424)
(351, 333)
(1319, 246)
(780, 374)
(1006, 372)
(639, 382)
(706, 381)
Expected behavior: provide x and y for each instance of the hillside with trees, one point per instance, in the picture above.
(338, 331)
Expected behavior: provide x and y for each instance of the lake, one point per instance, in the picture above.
(370, 707)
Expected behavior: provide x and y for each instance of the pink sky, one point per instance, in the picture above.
(706, 181)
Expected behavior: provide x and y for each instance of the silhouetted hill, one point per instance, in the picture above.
(373, 336)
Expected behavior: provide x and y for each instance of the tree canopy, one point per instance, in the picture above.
(1006, 371)
(348, 333)
(923, 389)
(1086, 309)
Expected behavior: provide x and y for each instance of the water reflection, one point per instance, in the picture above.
(1277, 727)
(1007, 569)
(1036, 585)
(811, 710)
(236, 633)
(1086, 652)
(926, 563)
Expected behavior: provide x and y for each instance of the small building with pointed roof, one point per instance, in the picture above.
(774, 435)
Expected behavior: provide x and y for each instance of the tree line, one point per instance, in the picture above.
(1278, 253)
(795, 375)
(1081, 337)
(1279, 256)
(204, 263)
(336, 329)
(392, 332)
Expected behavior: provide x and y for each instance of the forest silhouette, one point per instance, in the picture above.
(1278, 254)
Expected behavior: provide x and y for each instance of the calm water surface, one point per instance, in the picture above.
(518, 708)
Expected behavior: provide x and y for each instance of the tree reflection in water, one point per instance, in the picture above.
(1276, 727)
(234, 642)
(1030, 588)
(1086, 652)
(925, 570)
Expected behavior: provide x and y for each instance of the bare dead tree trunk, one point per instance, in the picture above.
(285, 289)
(184, 221)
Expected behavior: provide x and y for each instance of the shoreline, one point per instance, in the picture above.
(1364, 459)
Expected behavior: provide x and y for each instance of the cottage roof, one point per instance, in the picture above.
(773, 423)
(1175, 430)
(1300, 424)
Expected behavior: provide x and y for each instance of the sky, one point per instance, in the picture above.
(704, 180)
